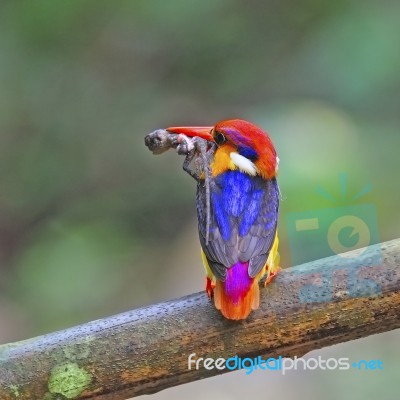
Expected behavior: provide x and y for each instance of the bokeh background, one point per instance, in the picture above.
(92, 224)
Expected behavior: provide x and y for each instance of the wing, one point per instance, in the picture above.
(244, 213)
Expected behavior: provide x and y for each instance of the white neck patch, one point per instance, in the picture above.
(243, 163)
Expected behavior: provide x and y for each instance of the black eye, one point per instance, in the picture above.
(219, 138)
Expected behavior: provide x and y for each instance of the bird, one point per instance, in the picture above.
(237, 214)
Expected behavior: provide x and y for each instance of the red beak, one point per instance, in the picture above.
(203, 132)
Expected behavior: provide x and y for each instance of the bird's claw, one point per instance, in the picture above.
(210, 285)
(272, 275)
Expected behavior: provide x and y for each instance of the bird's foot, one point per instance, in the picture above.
(210, 285)
(272, 275)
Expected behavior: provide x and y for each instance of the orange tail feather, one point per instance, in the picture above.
(241, 310)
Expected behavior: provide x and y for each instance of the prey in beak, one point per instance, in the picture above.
(197, 144)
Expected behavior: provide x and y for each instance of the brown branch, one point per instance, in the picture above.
(146, 350)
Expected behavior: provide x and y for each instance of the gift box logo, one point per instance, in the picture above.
(333, 231)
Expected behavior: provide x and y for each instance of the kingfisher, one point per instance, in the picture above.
(237, 211)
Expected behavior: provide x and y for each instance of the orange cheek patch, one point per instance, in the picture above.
(222, 159)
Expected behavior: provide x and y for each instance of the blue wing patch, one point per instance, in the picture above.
(244, 212)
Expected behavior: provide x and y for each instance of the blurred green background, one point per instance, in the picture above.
(91, 223)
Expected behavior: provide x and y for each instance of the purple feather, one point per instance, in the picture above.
(237, 282)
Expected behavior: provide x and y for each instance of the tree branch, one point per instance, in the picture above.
(146, 350)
